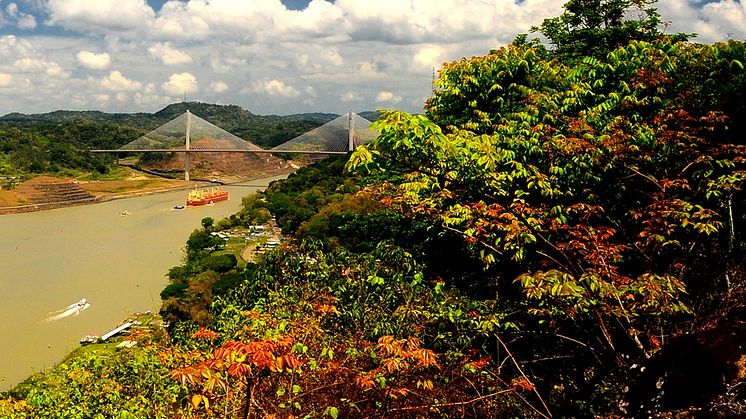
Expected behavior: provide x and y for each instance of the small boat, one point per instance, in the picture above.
(178, 207)
(72, 309)
(88, 339)
(206, 196)
(125, 212)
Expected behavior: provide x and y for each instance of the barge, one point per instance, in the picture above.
(206, 196)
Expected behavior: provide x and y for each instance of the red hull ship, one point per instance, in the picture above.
(206, 196)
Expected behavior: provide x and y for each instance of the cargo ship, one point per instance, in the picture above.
(206, 196)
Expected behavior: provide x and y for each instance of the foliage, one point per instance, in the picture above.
(299, 197)
(57, 148)
(298, 294)
(600, 182)
(103, 383)
(219, 263)
(596, 27)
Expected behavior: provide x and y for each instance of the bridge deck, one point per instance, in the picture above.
(221, 151)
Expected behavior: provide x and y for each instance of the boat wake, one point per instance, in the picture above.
(72, 309)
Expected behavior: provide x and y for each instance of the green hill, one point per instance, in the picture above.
(266, 131)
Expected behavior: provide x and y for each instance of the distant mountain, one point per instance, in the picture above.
(135, 119)
(321, 118)
(371, 116)
(266, 131)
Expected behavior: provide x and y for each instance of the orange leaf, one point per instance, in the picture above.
(196, 399)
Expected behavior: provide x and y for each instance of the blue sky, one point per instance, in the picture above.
(269, 56)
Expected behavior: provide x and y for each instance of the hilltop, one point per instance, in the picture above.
(264, 130)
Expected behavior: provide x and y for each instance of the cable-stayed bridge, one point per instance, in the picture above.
(189, 134)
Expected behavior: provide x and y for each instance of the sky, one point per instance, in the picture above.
(269, 56)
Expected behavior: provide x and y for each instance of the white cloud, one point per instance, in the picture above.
(385, 96)
(5, 79)
(219, 87)
(23, 20)
(100, 15)
(151, 100)
(12, 47)
(54, 70)
(169, 55)
(429, 56)
(180, 83)
(94, 61)
(29, 64)
(351, 97)
(327, 57)
(276, 88)
(26, 22)
(117, 82)
(713, 21)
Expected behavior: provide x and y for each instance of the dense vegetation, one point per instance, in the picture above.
(59, 148)
(551, 224)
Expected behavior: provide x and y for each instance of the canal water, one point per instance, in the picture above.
(52, 259)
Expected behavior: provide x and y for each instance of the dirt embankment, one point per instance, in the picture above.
(217, 165)
(47, 192)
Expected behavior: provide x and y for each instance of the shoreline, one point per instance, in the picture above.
(107, 196)
(21, 209)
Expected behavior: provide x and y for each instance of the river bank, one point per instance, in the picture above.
(46, 192)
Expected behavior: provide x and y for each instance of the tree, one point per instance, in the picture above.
(219, 263)
(207, 223)
(596, 183)
(200, 242)
(596, 27)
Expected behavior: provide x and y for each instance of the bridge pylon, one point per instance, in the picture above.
(187, 144)
(350, 132)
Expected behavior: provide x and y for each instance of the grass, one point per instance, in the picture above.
(234, 246)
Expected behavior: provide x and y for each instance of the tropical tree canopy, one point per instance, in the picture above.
(601, 189)
(595, 27)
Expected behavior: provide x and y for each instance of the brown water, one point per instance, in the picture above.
(51, 259)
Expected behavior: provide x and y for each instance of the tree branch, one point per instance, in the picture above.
(515, 362)
(467, 402)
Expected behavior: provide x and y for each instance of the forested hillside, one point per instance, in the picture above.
(560, 235)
